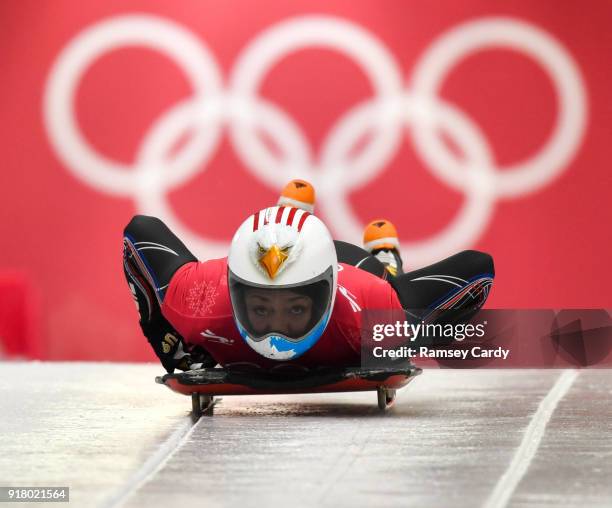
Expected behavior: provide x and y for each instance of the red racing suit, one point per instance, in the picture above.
(197, 304)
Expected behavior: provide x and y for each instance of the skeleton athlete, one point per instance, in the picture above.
(287, 295)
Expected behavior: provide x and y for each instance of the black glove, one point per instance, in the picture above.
(197, 358)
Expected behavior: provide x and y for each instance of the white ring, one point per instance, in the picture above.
(285, 38)
(151, 193)
(474, 215)
(470, 37)
(157, 33)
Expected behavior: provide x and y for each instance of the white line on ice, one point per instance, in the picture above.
(153, 464)
(531, 441)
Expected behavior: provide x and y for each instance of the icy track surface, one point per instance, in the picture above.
(469, 438)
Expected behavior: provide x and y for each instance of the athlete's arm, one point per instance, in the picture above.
(151, 256)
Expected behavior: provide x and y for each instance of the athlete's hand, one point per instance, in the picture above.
(197, 358)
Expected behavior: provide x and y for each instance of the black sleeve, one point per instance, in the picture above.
(151, 256)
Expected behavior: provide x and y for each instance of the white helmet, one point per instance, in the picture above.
(282, 278)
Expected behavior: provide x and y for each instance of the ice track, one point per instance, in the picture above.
(455, 438)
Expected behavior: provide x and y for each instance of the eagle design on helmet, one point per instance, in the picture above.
(282, 278)
(274, 247)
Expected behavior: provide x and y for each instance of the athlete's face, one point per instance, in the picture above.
(280, 311)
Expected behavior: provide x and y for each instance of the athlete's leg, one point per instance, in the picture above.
(452, 290)
(356, 256)
(151, 256)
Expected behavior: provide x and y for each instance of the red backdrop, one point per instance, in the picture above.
(514, 76)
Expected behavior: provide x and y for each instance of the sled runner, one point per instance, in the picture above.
(204, 384)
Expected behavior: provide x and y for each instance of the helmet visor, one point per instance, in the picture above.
(290, 311)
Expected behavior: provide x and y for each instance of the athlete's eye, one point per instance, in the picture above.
(260, 311)
(298, 309)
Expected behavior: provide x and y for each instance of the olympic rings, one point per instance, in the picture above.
(394, 106)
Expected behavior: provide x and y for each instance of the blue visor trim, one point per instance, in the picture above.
(284, 345)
